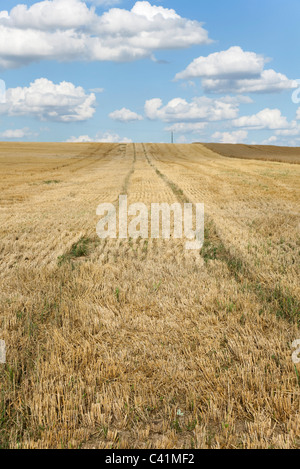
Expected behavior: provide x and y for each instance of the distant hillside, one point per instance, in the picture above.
(256, 152)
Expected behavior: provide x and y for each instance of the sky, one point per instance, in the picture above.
(123, 71)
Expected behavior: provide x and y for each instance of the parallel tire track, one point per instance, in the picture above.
(273, 299)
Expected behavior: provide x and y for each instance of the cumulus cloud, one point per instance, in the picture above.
(292, 131)
(270, 141)
(80, 139)
(237, 136)
(104, 3)
(271, 119)
(63, 102)
(16, 133)
(232, 63)
(199, 109)
(125, 115)
(97, 90)
(187, 128)
(236, 71)
(269, 82)
(106, 137)
(67, 30)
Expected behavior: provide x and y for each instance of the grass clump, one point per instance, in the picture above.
(283, 303)
(81, 248)
(51, 181)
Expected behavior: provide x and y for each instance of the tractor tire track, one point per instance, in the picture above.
(273, 299)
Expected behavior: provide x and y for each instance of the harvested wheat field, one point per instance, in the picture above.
(140, 343)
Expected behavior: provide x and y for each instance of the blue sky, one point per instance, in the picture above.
(136, 71)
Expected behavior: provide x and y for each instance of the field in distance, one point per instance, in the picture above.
(257, 152)
(139, 343)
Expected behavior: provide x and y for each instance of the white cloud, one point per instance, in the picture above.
(232, 63)
(238, 136)
(49, 15)
(68, 30)
(182, 139)
(187, 128)
(292, 131)
(80, 139)
(199, 109)
(45, 100)
(125, 115)
(266, 119)
(97, 90)
(104, 2)
(269, 82)
(16, 133)
(106, 137)
(113, 138)
(270, 141)
(236, 71)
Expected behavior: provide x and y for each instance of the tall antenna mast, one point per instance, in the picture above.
(172, 137)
